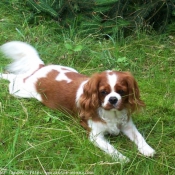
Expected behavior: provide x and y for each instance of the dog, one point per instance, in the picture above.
(103, 102)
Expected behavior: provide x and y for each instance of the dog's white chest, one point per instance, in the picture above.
(114, 120)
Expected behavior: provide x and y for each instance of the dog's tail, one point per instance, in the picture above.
(25, 58)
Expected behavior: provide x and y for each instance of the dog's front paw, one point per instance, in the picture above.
(147, 151)
(120, 158)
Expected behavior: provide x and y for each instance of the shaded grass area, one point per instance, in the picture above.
(35, 138)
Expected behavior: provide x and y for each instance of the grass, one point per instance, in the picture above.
(35, 139)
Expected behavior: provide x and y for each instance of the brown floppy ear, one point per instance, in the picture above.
(89, 100)
(134, 101)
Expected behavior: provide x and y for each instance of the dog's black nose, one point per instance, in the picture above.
(113, 100)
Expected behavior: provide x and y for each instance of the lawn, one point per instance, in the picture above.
(38, 140)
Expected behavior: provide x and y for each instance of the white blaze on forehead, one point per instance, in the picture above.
(112, 80)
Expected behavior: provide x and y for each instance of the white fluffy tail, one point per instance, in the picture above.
(25, 58)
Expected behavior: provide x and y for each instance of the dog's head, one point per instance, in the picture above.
(110, 90)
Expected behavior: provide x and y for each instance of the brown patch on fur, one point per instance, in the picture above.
(60, 94)
(131, 100)
(94, 115)
(89, 100)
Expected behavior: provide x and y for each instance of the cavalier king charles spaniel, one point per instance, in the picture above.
(104, 102)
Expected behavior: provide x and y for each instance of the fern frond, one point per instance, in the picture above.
(44, 6)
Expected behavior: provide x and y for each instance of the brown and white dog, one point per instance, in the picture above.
(104, 102)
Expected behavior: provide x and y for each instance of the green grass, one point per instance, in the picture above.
(35, 139)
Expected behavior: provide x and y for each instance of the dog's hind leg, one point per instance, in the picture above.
(17, 86)
(12, 79)
(9, 77)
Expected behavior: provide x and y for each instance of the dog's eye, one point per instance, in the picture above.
(121, 92)
(104, 92)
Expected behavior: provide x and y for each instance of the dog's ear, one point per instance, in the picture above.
(134, 101)
(89, 100)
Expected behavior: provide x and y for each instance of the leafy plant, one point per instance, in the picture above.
(107, 17)
(73, 48)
